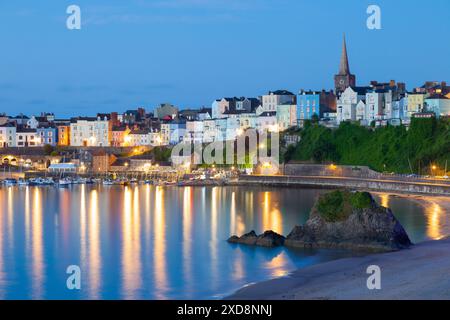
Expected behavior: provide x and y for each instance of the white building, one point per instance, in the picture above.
(89, 132)
(374, 106)
(267, 122)
(139, 138)
(271, 100)
(439, 104)
(221, 129)
(7, 135)
(26, 137)
(194, 131)
(361, 112)
(400, 109)
(33, 123)
(347, 102)
(155, 137)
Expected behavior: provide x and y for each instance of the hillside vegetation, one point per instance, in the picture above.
(391, 148)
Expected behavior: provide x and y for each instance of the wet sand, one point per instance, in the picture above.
(421, 272)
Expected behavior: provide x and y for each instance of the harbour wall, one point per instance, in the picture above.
(394, 186)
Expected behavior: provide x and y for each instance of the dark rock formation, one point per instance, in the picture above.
(267, 239)
(350, 220)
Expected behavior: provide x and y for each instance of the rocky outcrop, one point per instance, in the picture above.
(267, 239)
(354, 224)
(340, 219)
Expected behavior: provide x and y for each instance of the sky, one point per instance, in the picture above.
(189, 52)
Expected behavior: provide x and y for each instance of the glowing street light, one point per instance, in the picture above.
(267, 165)
(433, 168)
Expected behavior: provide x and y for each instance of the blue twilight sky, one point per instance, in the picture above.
(189, 52)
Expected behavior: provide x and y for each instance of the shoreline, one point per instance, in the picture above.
(420, 272)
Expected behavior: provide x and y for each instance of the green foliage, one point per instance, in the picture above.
(361, 200)
(331, 206)
(337, 205)
(48, 149)
(162, 154)
(390, 148)
(315, 144)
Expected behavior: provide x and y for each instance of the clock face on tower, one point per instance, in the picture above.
(342, 81)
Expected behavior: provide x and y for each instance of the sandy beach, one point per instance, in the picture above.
(422, 272)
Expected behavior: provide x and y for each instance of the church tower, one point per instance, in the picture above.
(344, 78)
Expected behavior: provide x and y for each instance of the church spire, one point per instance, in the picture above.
(344, 67)
(344, 78)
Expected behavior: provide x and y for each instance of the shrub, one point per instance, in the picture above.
(331, 206)
(361, 200)
(337, 205)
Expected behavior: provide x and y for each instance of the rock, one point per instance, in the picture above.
(270, 239)
(267, 239)
(356, 222)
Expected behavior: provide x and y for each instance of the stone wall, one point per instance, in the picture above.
(298, 169)
(349, 183)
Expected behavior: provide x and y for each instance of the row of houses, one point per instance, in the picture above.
(390, 103)
(379, 103)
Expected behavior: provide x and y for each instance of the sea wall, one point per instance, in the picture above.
(394, 186)
(299, 169)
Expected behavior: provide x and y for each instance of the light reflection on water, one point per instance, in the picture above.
(162, 242)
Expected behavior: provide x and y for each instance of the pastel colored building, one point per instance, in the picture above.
(194, 131)
(416, 102)
(311, 103)
(439, 104)
(374, 105)
(90, 132)
(221, 129)
(7, 135)
(286, 116)
(220, 106)
(120, 136)
(137, 138)
(63, 134)
(48, 135)
(400, 109)
(271, 100)
(172, 132)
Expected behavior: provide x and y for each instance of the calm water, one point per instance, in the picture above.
(161, 242)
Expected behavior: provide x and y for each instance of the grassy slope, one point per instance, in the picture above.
(383, 149)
